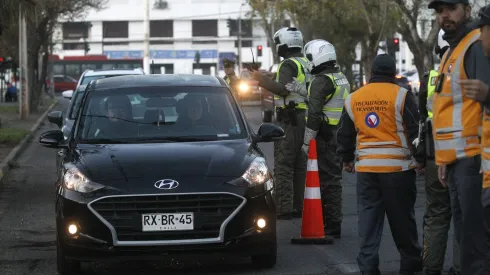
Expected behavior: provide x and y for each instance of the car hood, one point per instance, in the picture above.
(116, 164)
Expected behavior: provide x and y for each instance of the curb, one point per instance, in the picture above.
(4, 166)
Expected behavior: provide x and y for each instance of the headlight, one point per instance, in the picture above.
(243, 87)
(74, 180)
(258, 173)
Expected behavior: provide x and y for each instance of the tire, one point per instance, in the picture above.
(64, 266)
(267, 259)
(267, 116)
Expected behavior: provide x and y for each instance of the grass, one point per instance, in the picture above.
(9, 109)
(12, 136)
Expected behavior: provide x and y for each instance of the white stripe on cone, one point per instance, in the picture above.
(312, 165)
(312, 193)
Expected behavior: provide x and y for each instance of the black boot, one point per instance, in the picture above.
(333, 230)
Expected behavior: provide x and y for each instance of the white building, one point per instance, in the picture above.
(178, 28)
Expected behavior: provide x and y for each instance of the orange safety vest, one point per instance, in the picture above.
(457, 119)
(382, 141)
(485, 142)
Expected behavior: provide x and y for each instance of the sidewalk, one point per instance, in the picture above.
(12, 129)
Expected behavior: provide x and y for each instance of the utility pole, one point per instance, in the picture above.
(239, 34)
(23, 72)
(146, 27)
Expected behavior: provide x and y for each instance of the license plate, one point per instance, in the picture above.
(168, 221)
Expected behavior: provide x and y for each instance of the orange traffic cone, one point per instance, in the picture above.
(312, 231)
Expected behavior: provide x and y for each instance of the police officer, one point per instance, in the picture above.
(456, 128)
(289, 162)
(326, 94)
(437, 217)
(378, 125)
(231, 78)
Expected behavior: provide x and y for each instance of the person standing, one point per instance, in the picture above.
(326, 94)
(457, 122)
(289, 162)
(378, 125)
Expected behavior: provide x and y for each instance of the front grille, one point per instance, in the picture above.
(124, 214)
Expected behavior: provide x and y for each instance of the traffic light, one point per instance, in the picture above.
(228, 22)
(86, 47)
(396, 44)
(197, 57)
(259, 50)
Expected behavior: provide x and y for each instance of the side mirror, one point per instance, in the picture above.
(56, 117)
(52, 139)
(67, 94)
(269, 132)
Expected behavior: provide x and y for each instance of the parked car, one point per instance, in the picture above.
(89, 75)
(62, 83)
(143, 187)
(402, 81)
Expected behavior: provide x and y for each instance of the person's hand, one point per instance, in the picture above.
(297, 87)
(475, 89)
(442, 174)
(256, 75)
(349, 167)
(305, 149)
(229, 71)
(420, 169)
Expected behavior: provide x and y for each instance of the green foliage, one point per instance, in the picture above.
(12, 136)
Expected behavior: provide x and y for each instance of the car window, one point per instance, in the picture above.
(59, 79)
(152, 113)
(86, 80)
(76, 100)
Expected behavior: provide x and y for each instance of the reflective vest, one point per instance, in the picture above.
(303, 76)
(382, 140)
(457, 119)
(228, 80)
(485, 155)
(334, 103)
(431, 90)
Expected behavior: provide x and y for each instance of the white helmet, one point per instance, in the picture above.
(311, 42)
(290, 37)
(319, 52)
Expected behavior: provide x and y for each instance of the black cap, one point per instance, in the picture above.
(433, 4)
(484, 16)
(384, 64)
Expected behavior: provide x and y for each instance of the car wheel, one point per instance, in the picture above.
(267, 259)
(266, 116)
(65, 267)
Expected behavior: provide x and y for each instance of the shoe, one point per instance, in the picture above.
(431, 272)
(334, 231)
(453, 272)
(376, 272)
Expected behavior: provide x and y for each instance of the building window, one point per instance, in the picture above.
(202, 28)
(75, 30)
(161, 28)
(73, 46)
(115, 29)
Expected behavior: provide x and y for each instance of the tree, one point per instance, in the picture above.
(42, 16)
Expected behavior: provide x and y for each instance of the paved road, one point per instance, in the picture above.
(27, 236)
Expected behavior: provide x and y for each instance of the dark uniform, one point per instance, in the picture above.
(326, 95)
(289, 162)
(378, 125)
(437, 217)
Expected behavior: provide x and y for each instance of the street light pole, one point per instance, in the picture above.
(239, 34)
(146, 27)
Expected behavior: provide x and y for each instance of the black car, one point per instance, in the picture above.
(136, 187)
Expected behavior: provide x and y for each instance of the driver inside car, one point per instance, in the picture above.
(119, 122)
(192, 111)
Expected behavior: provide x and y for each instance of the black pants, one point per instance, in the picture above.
(393, 194)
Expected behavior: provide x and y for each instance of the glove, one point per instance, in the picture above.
(297, 87)
(416, 142)
(309, 135)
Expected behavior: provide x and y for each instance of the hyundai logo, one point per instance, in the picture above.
(166, 184)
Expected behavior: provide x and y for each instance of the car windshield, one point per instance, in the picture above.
(159, 114)
(76, 100)
(86, 80)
